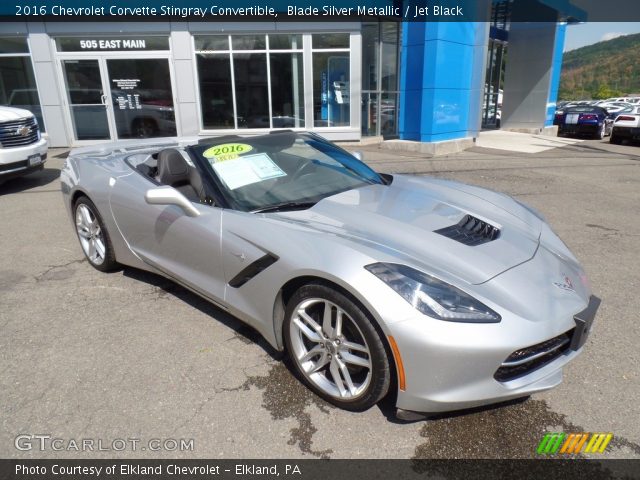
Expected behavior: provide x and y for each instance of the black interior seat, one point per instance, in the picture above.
(174, 170)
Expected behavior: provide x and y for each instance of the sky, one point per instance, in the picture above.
(588, 33)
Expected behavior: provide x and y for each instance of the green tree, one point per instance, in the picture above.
(603, 91)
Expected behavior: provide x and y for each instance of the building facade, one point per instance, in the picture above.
(423, 82)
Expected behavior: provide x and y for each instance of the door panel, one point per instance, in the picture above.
(142, 97)
(87, 101)
(186, 248)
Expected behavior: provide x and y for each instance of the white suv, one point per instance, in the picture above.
(22, 148)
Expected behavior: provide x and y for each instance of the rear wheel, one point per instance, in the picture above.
(335, 348)
(600, 133)
(93, 236)
(615, 139)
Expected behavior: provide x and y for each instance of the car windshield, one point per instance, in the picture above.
(281, 170)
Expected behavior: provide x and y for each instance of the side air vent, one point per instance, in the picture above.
(471, 231)
(252, 270)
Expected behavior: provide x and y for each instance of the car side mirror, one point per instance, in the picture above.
(358, 155)
(167, 195)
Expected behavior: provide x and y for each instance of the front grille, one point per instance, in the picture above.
(19, 132)
(526, 360)
(471, 231)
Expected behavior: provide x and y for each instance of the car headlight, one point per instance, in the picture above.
(431, 296)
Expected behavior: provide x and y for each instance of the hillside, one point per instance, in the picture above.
(602, 70)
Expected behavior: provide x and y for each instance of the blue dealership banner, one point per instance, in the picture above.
(571, 11)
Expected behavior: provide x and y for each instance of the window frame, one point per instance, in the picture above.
(305, 50)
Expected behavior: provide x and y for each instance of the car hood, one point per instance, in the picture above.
(8, 114)
(399, 220)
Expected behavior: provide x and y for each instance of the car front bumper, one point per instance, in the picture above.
(15, 161)
(453, 366)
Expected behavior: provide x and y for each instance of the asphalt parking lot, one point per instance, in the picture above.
(129, 355)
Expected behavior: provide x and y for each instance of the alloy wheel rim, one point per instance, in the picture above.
(90, 235)
(330, 349)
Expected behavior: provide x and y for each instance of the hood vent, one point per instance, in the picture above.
(471, 231)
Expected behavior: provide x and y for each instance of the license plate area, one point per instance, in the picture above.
(34, 159)
(572, 118)
(584, 320)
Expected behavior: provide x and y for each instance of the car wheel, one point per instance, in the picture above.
(335, 348)
(144, 128)
(615, 139)
(93, 236)
(599, 135)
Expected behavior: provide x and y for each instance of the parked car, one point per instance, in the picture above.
(626, 127)
(454, 295)
(584, 120)
(615, 107)
(23, 150)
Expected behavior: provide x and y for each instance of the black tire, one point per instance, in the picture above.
(380, 370)
(109, 262)
(600, 134)
(615, 139)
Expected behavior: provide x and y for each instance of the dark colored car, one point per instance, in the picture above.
(584, 120)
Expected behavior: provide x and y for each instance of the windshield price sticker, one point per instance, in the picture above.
(247, 170)
(226, 151)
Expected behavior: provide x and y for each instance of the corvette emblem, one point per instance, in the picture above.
(566, 283)
(23, 131)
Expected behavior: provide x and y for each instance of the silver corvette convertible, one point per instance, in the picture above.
(444, 295)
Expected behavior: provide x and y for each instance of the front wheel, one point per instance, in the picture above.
(93, 236)
(335, 348)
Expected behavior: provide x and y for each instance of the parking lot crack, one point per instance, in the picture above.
(58, 272)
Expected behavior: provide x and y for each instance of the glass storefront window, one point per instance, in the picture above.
(142, 97)
(285, 42)
(85, 92)
(241, 100)
(331, 89)
(331, 80)
(212, 42)
(13, 45)
(252, 93)
(287, 90)
(370, 57)
(216, 97)
(17, 81)
(389, 55)
(248, 42)
(379, 99)
(258, 81)
(331, 40)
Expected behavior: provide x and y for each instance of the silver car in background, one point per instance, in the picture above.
(444, 295)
